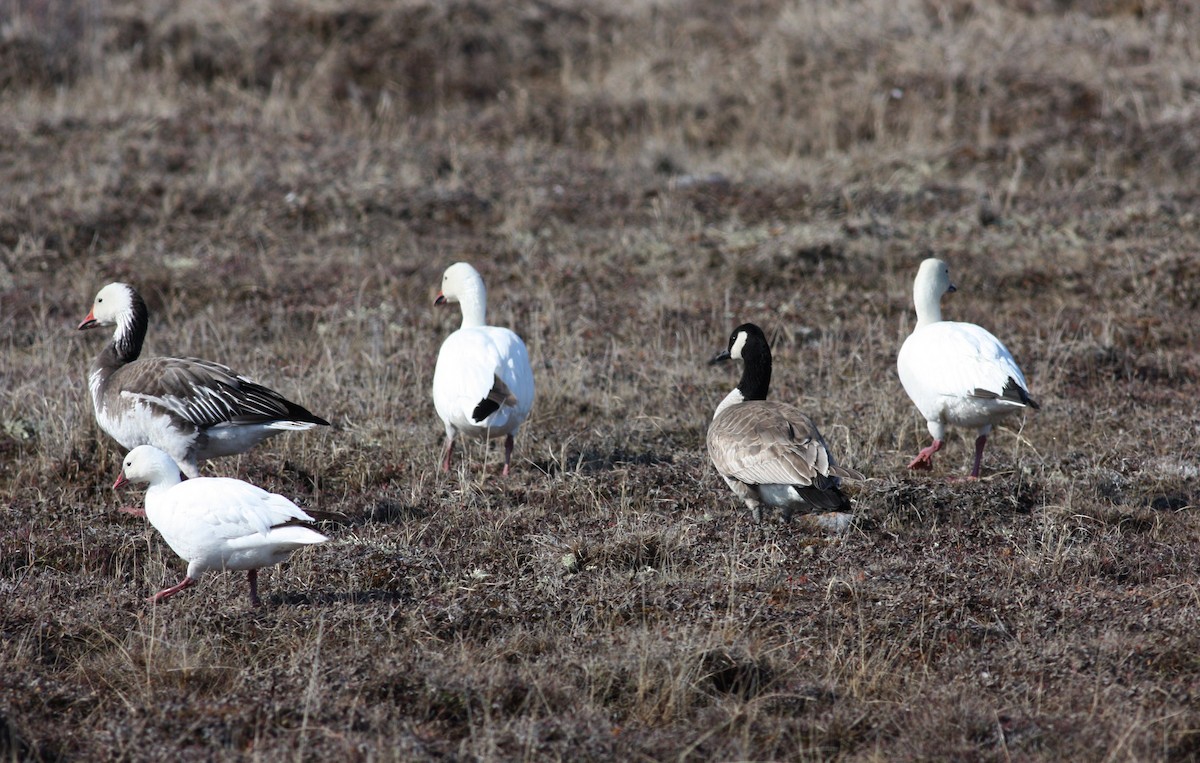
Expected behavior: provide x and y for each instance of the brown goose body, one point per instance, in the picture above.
(770, 452)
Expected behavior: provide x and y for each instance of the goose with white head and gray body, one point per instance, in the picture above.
(192, 409)
(957, 374)
(770, 452)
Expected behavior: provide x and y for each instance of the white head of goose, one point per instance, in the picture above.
(770, 452)
(956, 373)
(192, 409)
(482, 383)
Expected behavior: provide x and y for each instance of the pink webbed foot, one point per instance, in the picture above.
(924, 459)
(168, 592)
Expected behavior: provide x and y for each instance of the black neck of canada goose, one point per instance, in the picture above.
(756, 368)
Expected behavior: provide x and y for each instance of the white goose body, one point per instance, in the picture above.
(483, 383)
(957, 374)
(469, 363)
(770, 452)
(192, 409)
(216, 523)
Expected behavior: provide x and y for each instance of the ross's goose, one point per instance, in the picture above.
(216, 523)
(956, 373)
(192, 409)
(770, 452)
(482, 383)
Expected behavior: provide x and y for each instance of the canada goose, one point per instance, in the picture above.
(770, 452)
(482, 383)
(216, 523)
(192, 409)
(956, 373)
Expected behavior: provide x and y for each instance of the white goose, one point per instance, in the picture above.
(192, 409)
(216, 523)
(956, 373)
(770, 452)
(482, 383)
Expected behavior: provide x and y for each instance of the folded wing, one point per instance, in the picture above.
(231, 509)
(208, 394)
(762, 443)
(963, 359)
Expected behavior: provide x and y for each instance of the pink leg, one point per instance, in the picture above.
(167, 592)
(446, 452)
(924, 459)
(508, 448)
(980, 442)
(135, 511)
(252, 576)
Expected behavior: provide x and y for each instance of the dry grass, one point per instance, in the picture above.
(285, 184)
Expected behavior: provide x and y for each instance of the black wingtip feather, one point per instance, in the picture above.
(485, 408)
(1014, 391)
(270, 399)
(300, 413)
(825, 496)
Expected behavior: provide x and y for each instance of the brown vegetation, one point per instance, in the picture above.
(285, 183)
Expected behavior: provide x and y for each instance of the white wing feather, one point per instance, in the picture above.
(468, 363)
(956, 373)
(227, 508)
(949, 358)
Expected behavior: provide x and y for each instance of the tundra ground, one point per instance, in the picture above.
(285, 183)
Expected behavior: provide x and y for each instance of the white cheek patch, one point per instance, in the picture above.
(735, 351)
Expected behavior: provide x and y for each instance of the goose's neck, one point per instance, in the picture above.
(162, 483)
(131, 332)
(928, 302)
(756, 376)
(473, 301)
(755, 382)
(165, 481)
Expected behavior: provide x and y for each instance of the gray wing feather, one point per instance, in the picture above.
(203, 393)
(765, 443)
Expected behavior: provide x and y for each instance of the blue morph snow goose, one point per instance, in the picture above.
(216, 523)
(956, 373)
(770, 452)
(192, 409)
(482, 383)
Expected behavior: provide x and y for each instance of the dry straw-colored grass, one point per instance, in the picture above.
(285, 183)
